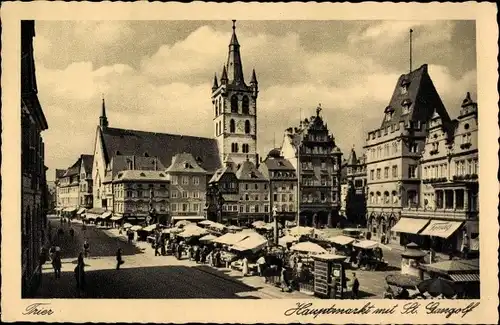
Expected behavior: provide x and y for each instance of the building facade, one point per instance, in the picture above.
(85, 179)
(353, 189)
(223, 194)
(235, 109)
(188, 186)
(319, 169)
(393, 151)
(448, 207)
(253, 193)
(141, 196)
(34, 188)
(282, 185)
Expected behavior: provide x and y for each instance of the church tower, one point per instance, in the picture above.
(103, 120)
(235, 109)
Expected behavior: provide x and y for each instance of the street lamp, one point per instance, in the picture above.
(297, 142)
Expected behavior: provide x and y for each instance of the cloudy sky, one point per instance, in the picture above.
(157, 75)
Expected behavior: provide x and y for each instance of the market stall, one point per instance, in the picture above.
(369, 255)
(329, 276)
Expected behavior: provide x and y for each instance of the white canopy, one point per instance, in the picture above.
(135, 228)
(283, 241)
(206, 223)
(231, 239)
(70, 209)
(369, 244)
(114, 218)
(150, 227)
(208, 238)
(193, 231)
(217, 226)
(81, 210)
(105, 215)
(253, 242)
(309, 247)
(181, 223)
(171, 230)
(234, 228)
(258, 224)
(301, 231)
(341, 240)
(127, 225)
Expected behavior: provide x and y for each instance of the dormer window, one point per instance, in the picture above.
(406, 104)
(404, 86)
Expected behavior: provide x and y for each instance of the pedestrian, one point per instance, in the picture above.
(80, 259)
(355, 286)
(119, 260)
(382, 239)
(157, 245)
(465, 246)
(261, 262)
(52, 252)
(285, 284)
(56, 264)
(80, 276)
(245, 266)
(86, 248)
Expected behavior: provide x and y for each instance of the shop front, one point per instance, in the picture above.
(444, 235)
(409, 228)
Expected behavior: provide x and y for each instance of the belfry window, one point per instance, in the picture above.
(247, 126)
(245, 105)
(232, 126)
(234, 104)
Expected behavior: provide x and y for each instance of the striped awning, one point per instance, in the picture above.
(468, 277)
(410, 226)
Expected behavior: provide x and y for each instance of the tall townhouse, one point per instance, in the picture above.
(448, 213)
(353, 189)
(33, 171)
(85, 195)
(223, 194)
(319, 170)
(253, 193)
(282, 185)
(188, 187)
(394, 149)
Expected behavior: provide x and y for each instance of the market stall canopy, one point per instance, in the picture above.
(258, 224)
(234, 228)
(369, 244)
(105, 215)
(182, 223)
(439, 228)
(136, 228)
(80, 211)
(70, 209)
(454, 266)
(410, 225)
(301, 231)
(91, 216)
(283, 241)
(127, 225)
(114, 218)
(230, 238)
(171, 230)
(150, 227)
(289, 223)
(193, 232)
(206, 222)
(403, 280)
(208, 238)
(309, 247)
(330, 257)
(253, 242)
(341, 240)
(217, 226)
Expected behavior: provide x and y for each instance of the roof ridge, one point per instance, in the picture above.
(154, 132)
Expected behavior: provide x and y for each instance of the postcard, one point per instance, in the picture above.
(249, 163)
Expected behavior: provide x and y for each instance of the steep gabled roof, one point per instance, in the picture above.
(248, 172)
(421, 96)
(87, 161)
(141, 175)
(162, 145)
(185, 162)
(60, 173)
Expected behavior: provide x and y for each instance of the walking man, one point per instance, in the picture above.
(56, 264)
(119, 260)
(86, 248)
(80, 274)
(355, 286)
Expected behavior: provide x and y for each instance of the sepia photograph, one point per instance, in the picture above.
(280, 159)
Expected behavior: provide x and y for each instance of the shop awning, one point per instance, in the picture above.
(440, 228)
(187, 218)
(70, 209)
(410, 226)
(81, 210)
(105, 215)
(91, 216)
(468, 277)
(114, 218)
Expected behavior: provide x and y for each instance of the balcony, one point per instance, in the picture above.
(441, 213)
(434, 180)
(468, 177)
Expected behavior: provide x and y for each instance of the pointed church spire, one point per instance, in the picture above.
(223, 78)
(234, 66)
(254, 78)
(216, 84)
(103, 120)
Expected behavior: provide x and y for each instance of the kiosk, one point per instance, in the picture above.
(329, 276)
(411, 259)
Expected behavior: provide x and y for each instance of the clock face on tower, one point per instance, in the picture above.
(241, 127)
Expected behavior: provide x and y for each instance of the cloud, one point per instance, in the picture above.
(103, 32)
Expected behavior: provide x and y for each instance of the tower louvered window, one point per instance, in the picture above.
(234, 104)
(246, 105)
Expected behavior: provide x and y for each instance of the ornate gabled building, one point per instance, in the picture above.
(393, 151)
(223, 194)
(254, 193)
(282, 185)
(235, 109)
(319, 170)
(34, 189)
(447, 215)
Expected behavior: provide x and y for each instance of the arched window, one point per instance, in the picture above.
(386, 197)
(232, 126)
(245, 148)
(216, 108)
(372, 197)
(379, 198)
(247, 126)
(246, 105)
(394, 197)
(220, 107)
(234, 104)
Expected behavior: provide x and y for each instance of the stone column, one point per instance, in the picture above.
(466, 199)
(454, 199)
(444, 199)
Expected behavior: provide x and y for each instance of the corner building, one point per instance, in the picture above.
(394, 149)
